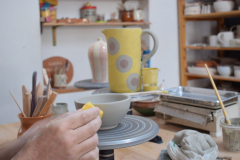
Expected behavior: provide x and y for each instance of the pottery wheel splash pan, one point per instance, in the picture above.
(134, 98)
(88, 84)
(199, 97)
(132, 130)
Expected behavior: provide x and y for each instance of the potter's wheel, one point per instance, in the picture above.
(131, 131)
(134, 98)
(88, 84)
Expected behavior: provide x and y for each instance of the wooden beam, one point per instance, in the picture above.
(182, 43)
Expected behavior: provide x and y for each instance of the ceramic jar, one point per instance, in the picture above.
(97, 55)
(127, 16)
(89, 12)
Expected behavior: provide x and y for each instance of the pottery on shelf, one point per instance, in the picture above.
(97, 55)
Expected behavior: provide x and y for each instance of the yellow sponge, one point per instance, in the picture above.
(90, 105)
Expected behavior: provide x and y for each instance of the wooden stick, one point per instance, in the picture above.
(48, 88)
(38, 107)
(39, 90)
(45, 76)
(25, 99)
(44, 100)
(218, 96)
(28, 105)
(17, 104)
(48, 104)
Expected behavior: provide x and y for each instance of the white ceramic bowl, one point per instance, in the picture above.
(224, 70)
(236, 67)
(223, 6)
(201, 70)
(114, 107)
(237, 73)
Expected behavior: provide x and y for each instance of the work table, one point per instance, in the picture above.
(145, 151)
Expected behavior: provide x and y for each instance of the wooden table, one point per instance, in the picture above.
(145, 151)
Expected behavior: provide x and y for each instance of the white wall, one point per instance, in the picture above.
(20, 53)
(164, 18)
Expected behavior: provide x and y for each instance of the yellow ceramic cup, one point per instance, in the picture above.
(124, 58)
(150, 79)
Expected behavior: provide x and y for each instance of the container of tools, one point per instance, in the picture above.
(60, 80)
(27, 122)
(37, 105)
(60, 77)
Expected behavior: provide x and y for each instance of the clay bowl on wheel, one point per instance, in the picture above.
(114, 107)
(145, 107)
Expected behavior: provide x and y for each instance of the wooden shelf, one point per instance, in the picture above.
(68, 89)
(98, 24)
(214, 48)
(216, 15)
(217, 77)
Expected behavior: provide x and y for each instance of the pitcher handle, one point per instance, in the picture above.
(231, 29)
(155, 46)
(220, 38)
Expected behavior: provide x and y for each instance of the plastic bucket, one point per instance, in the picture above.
(231, 134)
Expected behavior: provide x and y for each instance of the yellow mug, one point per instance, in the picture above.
(124, 58)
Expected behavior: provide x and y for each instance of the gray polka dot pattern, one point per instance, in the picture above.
(124, 63)
(113, 46)
(133, 81)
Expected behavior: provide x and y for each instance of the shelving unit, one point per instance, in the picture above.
(216, 77)
(210, 16)
(219, 17)
(68, 89)
(98, 24)
(214, 48)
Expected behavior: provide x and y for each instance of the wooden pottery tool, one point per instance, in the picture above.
(45, 76)
(37, 108)
(17, 104)
(218, 96)
(27, 106)
(25, 98)
(48, 104)
(39, 90)
(34, 92)
(48, 88)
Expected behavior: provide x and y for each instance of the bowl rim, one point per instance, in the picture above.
(109, 94)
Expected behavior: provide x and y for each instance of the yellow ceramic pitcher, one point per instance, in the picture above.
(124, 58)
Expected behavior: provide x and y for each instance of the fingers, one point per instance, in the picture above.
(67, 114)
(87, 130)
(79, 118)
(92, 155)
(87, 145)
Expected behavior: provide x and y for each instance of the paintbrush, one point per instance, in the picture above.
(218, 96)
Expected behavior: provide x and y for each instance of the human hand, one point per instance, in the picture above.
(70, 136)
